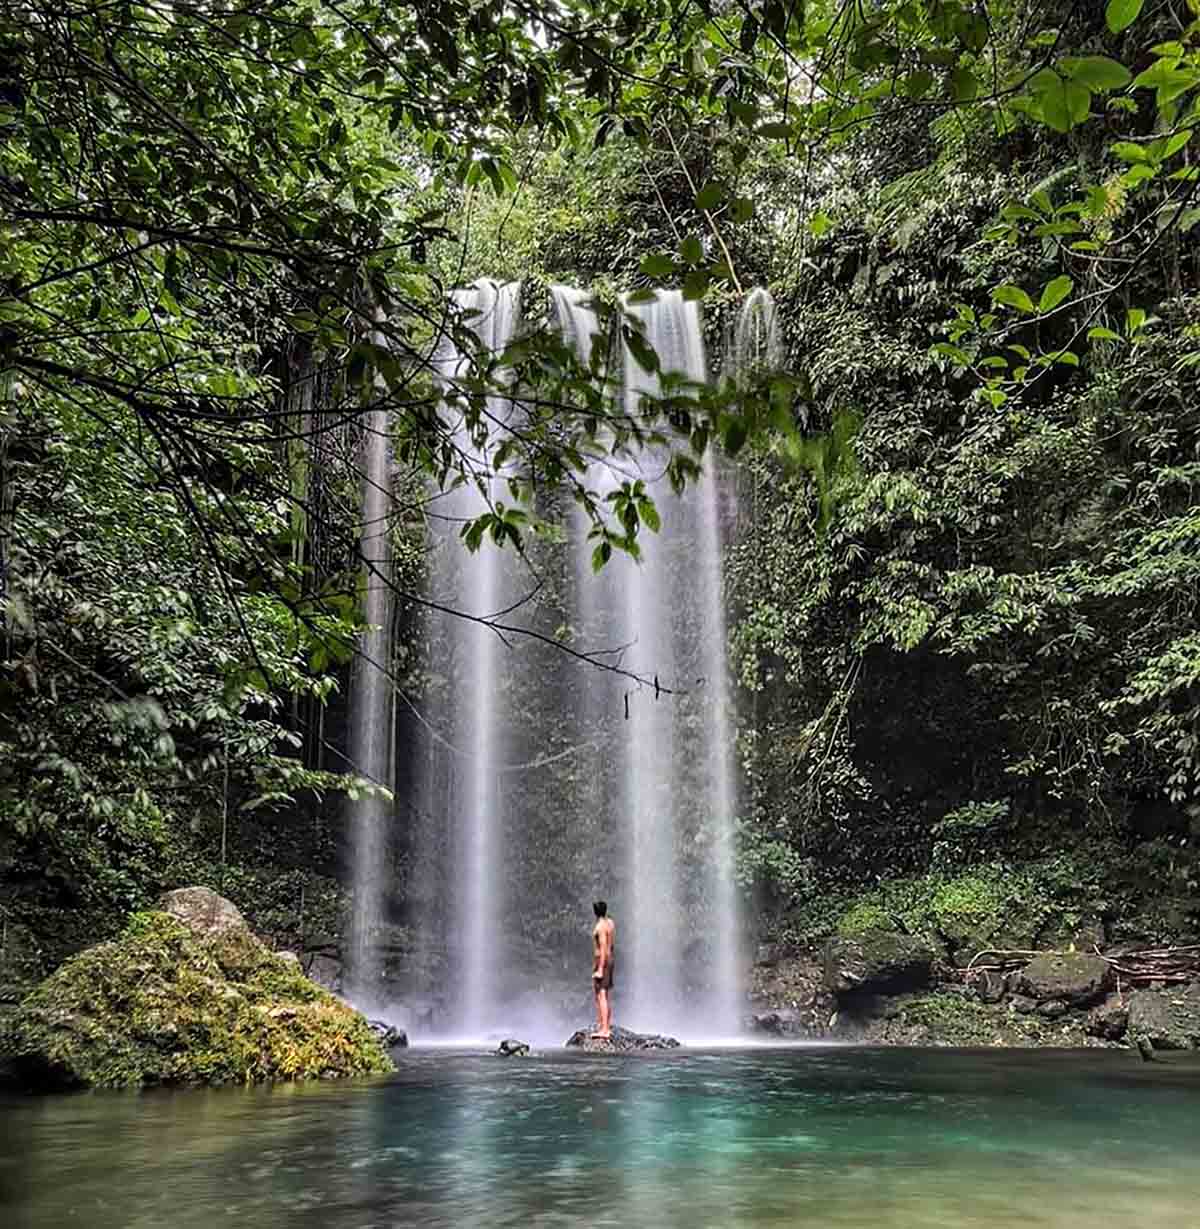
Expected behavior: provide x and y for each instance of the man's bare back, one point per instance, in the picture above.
(603, 947)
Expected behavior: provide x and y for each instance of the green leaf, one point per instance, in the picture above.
(821, 224)
(691, 250)
(649, 514)
(918, 84)
(774, 132)
(1121, 14)
(710, 196)
(1100, 333)
(964, 85)
(1013, 296)
(1097, 72)
(1054, 293)
(1013, 212)
(1135, 318)
(955, 353)
(695, 285)
(1172, 145)
(1064, 104)
(734, 436)
(1127, 151)
(657, 264)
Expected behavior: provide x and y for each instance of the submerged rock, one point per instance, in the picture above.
(1169, 1018)
(1075, 978)
(187, 997)
(877, 962)
(623, 1040)
(510, 1047)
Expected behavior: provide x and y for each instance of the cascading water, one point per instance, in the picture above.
(669, 792)
(756, 346)
(370, 735)
(638, 805)
(480, 586)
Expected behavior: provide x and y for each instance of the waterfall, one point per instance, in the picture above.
(668, 793)
(513, 736)
(470, 708)
(756, 346)
(370, 735)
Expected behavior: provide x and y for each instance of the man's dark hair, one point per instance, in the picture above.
(600, 907)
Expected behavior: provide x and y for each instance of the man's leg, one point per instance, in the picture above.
(608, 1013)
(599, 996)
(605, 1029)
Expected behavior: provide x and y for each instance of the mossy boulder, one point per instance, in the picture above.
(877, 962)
(170, 1003)
(1074, 978)
(1169, 1019)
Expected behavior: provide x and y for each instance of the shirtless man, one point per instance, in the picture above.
(602, 968)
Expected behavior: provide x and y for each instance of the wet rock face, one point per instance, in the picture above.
(622, 1041)
(1169, 1019)
(877, 962)
(390, 1037)
(202, 910)
(1109, 1019)
(1073, 978)
(781, 1022)
(787, 995)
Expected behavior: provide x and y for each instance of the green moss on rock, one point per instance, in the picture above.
(163, 1004)
(876, 962)
(862, 917)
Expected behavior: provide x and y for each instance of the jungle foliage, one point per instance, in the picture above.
(966, 635)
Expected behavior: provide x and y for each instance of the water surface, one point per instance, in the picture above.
(819, 1137)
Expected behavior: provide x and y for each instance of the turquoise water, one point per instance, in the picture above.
(814, 1137)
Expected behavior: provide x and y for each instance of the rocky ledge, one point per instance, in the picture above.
(186, 995)
(882, 988)
(622, 1041)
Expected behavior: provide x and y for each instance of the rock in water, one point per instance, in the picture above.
(510, 1047)
(622, 1041)
(390, 1037)
(877, 962)
(195, 1002)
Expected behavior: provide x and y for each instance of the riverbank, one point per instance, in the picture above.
(885, 989)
